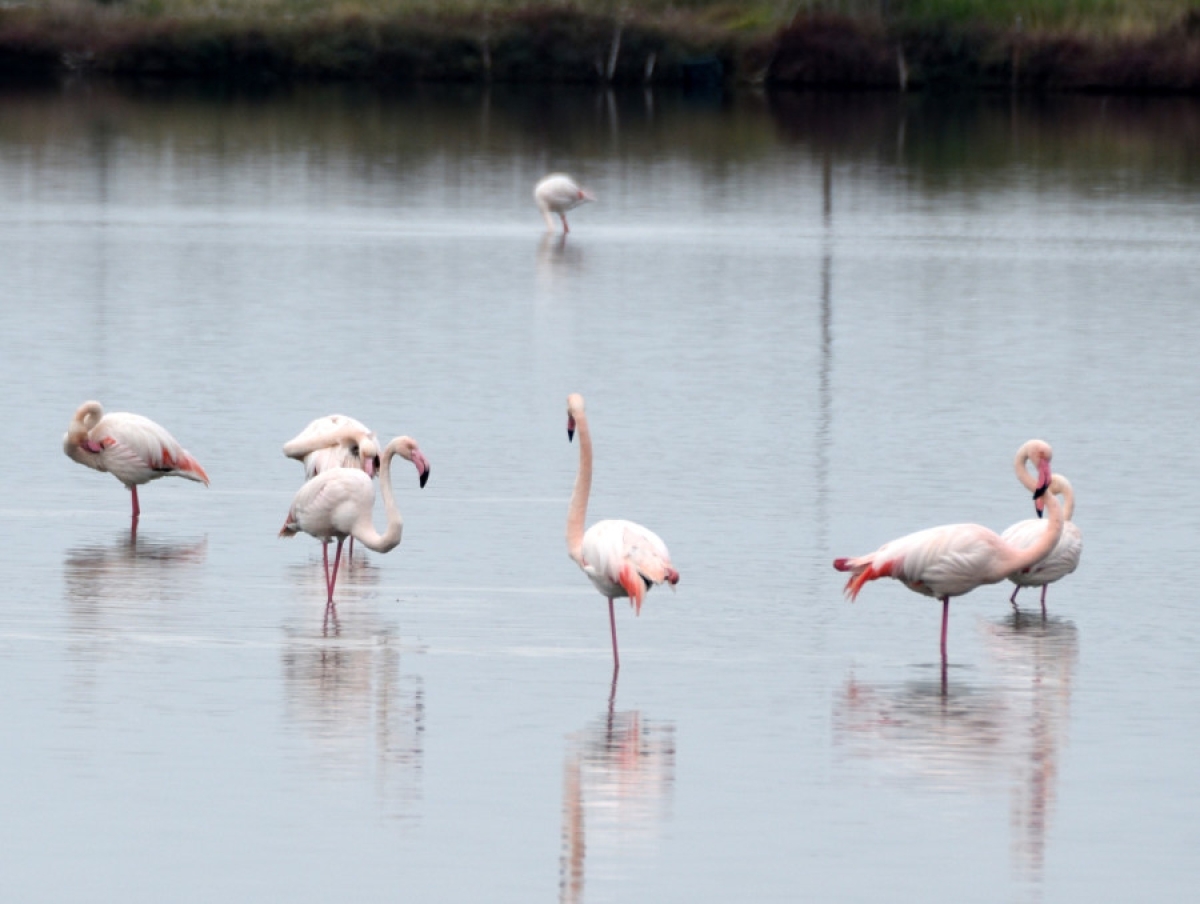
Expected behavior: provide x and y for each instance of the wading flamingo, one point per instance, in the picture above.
(556, 194)
(131, 448)
(1063, 558)
(620, 557)
(334, 441)
(338, 503)
(954, 559)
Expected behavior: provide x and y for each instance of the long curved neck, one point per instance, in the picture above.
(577, 510)
(365, 531)
(1068, 495)
(1019, 559)
(1028, 480)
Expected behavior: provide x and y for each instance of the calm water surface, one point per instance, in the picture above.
(803, 326)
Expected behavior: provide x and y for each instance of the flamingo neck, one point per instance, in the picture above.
(365, 532)
(577, 510)
(1020, 465)
(1026, 558)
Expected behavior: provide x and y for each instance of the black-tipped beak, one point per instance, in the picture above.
(570, 434)
(1037, 496)
(424, 477)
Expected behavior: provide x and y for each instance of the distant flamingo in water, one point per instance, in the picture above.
(132, 448)
(954, 559)
(620, 558)
(338, 503)
(556, 194)
(1064, 557)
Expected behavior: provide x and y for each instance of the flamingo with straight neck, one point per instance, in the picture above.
(621, 558)
(1064, 557)
(954, 559)
(339, 503)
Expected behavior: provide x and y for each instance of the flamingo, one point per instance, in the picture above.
(1063, 558)
(339, 503)
(620, 558)
(954, 559)
(558, 193)
(132, 448)
(334, 441)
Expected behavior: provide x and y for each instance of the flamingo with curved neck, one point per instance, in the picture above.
(339, 503)
(954, 559)
(620, 558)
(134, 449)
(1064, 557)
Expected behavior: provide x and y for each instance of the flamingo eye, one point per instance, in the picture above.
(354, 451)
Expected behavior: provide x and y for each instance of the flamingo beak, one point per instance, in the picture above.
(422, 467)
(371, 466)
(1039, 500)
(570, 428)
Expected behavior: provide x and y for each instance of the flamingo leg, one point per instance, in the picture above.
(945, 622)
(350, 552)
(337, 557)
(566, 228)
(1013, 599)
(1044, 586)
(612, 622)
(137, 509)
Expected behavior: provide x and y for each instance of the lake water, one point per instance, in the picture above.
(803, 324)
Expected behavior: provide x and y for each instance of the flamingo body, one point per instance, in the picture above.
(625, 559)
(556, 194)
(1064, 557)
(133, 448)
(335, 441)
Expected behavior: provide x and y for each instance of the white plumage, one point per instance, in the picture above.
(556, 194)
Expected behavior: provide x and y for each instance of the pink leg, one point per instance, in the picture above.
(137, 509)
(945, 622)
(1044, 586)
(337, 557)
(566, 228)
(350, 551)
(1013, 599)
(612, 621)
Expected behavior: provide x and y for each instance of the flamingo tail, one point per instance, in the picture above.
(862, 573)
(183, 466)
(634, 585)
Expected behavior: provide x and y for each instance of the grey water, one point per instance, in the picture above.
(804, 325)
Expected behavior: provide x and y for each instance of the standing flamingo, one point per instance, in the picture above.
(339, 503)
(132, 448)
(1063, 558)
(334, 441)
(558, 193)
(954, 559)
(620, 558)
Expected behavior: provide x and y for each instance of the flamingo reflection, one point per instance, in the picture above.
(363, 715)
(356, 578)
(618, 777)
(950, 733)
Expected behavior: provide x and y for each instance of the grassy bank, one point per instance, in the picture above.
(1121, 45)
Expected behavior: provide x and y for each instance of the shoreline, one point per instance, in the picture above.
(562, 44)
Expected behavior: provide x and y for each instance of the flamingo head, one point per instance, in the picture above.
(574, 409)
(585, 195)
(1043, 483)
(367, 452)
(408, 449)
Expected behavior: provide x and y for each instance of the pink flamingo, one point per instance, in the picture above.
(132, 448)
(954, 559)
(334, 441)
(558, 193)
(339, 503)
(1064, 557)
(620, 558)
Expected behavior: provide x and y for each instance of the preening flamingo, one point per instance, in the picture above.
(334, 441)
(131, 448)
(339, 503)
(620, 558)
(556, 194)
(1064, 557)
(954, 559)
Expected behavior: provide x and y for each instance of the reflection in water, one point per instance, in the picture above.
(951, 734)
(347, 693)
(617, 782)
(557, 259)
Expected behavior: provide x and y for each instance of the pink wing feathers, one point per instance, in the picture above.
(136, 450)
(623, 558)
